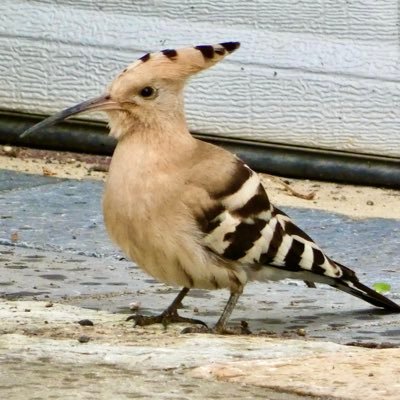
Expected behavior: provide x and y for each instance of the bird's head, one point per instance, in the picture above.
(148, 92)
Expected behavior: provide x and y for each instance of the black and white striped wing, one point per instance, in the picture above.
(242, 226)
(247, 228)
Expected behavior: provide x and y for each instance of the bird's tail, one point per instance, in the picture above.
(349, 283)
(365, 293)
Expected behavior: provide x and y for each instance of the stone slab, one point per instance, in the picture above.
(42, 356)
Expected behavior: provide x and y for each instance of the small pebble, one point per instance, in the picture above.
(370, 203)
(49, 304)
(85, 322)
(301, 332)
(10, 151)
(83, 339)
(135, 305)
(27, 310)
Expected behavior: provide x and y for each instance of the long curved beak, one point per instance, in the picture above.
(101, 103)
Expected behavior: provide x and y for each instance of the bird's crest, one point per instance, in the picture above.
(181, 63)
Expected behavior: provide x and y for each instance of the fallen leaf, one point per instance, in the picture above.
(381, 287)
(48, 172)
(305, 196)
(14, 237)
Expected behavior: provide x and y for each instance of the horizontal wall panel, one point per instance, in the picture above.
(291, 82)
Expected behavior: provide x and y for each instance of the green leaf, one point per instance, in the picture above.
(381, 287)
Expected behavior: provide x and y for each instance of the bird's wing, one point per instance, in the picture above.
(242, 225)
(238, 223)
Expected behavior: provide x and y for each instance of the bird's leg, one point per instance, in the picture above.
(310, 284)
(220, 325)
(168, 316)
(230, 305)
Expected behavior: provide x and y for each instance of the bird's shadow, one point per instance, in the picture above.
(322, 325)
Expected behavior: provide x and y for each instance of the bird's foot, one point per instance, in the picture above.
(165, 318)
(243, 329)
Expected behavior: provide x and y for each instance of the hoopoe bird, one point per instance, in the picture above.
(190, 213)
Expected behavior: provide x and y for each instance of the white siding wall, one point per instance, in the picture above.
(318, 73)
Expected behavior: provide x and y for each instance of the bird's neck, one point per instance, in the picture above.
(164, 145)
(157, 129)
(168, 135)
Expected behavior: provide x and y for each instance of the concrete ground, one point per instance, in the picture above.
(58, 267)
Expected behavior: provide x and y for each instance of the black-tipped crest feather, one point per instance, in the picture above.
(230, 46)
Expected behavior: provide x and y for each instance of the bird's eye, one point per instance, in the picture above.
(147, 91)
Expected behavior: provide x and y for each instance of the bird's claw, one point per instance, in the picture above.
(197, 329)
(220, 330)
(164, 318)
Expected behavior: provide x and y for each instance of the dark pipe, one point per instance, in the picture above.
(320, 165)
(296, 162)
(78, 136)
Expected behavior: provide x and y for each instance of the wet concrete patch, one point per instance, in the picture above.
(11, 180)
